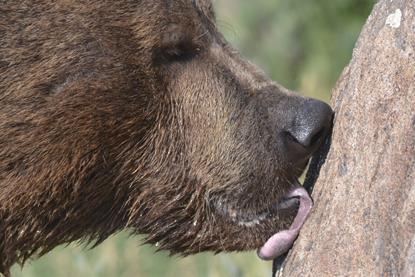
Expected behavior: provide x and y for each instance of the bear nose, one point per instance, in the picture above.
(310, 126)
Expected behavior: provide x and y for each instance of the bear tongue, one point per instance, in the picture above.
(282, 241)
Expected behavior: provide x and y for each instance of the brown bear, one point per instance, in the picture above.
(138, 115)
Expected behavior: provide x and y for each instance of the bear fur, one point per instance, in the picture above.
(135, 115)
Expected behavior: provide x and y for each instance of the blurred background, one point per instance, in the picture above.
(302, 44)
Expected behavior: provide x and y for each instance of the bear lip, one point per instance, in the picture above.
(284, 204)
(283, 240)
(255, 218)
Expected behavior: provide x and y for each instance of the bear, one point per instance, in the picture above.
(138, 115)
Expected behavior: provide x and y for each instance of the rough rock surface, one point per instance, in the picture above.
(363, 221)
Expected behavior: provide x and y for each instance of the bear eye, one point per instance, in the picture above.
(177, 45)
(181, 52)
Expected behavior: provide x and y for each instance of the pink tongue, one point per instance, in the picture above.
(279, 243)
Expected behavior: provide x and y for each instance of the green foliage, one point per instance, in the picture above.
(123, 256)
(304, 45)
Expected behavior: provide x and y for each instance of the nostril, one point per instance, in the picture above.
(315, 138)
(291, 138)
(306, 138)
(307, 142)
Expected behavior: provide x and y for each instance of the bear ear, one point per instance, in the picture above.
(177, 45)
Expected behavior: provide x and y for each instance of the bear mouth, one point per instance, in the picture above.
(251, 218)
(296, 202)
(282, 241)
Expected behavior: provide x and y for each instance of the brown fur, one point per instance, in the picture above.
(137, 115)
